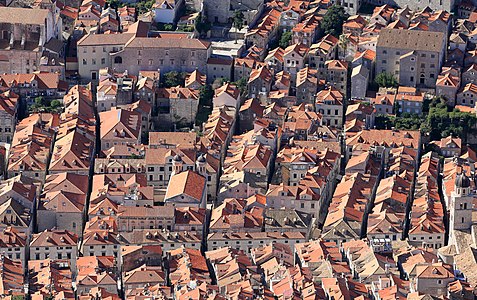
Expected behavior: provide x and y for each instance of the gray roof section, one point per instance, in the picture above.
(105, 39)
(18, 15)
(168, 43)
(411, 40)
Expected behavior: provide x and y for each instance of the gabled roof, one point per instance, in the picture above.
(229, 89)
(120, 123)
(188, 183)
(11, 277)
(54, 238)
(330, 94)
(44, 80)
(448, 80)
(72, 152)
(12, 238)
(299, 49)
(306, 74)
(469, 87)
(178, 93)
(337, 64)
(263, 73)
(195, 76)
(9, 103)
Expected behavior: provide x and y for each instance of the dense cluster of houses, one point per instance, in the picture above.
(113, 187)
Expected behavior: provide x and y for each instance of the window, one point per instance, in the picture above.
(118, 60)
(103, 61)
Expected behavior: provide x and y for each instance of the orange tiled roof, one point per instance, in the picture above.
(188, 183)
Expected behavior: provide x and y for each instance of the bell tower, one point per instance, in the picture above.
(461, 204)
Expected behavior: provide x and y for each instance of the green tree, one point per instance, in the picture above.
(343, 43)
(173, 78)
(241, 85)
(206, 94)
(285, 39)
(238, 22)
(113, 4)
(40, 101)
(201, 25)
(218, 82)
(408, 122)
(38, 104)
(141, 6)
(386, 80)
(443, 121)
(384, 121)
(55, 104)
(333, 20)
